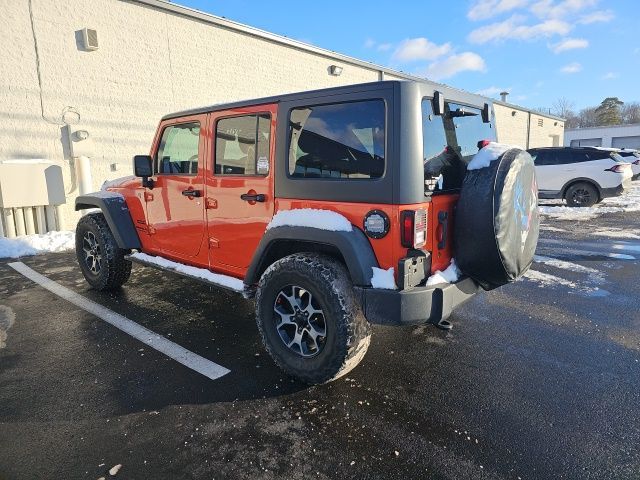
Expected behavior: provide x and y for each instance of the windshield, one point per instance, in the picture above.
(449, 143)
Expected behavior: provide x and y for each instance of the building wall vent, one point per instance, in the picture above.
(90, 39)
(540, 122)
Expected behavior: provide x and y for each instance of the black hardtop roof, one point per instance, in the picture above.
(284, 97)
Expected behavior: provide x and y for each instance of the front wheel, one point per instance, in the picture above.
(581, 195)
(309, 319)
(101, 260)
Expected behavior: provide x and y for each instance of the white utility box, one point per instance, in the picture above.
(29, 183)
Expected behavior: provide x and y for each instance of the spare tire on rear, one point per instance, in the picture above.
(497, 220)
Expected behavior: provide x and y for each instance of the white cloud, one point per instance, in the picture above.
(384, 47)
(413, 49)
(569, 44)
(512, 28)
(551, 9)
(454, 64)
(483, 9)
(610, 75)
(597, 16)
(369, 43)
(492, 91)
(573, 67)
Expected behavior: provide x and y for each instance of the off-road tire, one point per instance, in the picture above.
(581, 194)
(114, 269)
(348, 333)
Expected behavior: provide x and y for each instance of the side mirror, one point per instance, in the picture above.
(438, 103)
(143, 167)
(486, 113)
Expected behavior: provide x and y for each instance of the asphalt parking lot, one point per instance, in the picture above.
(538, 379)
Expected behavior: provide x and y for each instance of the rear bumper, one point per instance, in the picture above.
(613, 191)
(416, 305)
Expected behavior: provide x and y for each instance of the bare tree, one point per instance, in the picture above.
(588, 117)
(563, 107)
(630, 112)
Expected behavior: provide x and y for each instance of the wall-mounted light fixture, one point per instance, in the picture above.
(513, 113)
(335, 70)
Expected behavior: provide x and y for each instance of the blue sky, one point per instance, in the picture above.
(538, 50)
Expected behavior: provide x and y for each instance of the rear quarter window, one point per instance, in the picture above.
(339, 141)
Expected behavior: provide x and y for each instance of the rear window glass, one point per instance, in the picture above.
(341, 140)
(449, 143)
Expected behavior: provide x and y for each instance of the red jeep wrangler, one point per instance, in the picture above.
(333, 208)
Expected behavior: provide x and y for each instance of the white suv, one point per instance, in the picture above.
(582, 176)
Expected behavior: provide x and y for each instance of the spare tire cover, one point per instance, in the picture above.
(497, 220)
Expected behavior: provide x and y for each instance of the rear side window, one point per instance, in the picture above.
(178, 150)
(242, 145)
(598, 154)
(341, 140)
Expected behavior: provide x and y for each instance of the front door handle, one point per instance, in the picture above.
(257, 197)
(191, 193)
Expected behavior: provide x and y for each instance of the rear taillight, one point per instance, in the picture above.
(413, 228)
(617, 168)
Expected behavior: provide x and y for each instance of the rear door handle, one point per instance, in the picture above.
(258, 197)
(191, 193)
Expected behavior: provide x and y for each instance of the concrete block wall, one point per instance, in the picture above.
(517, 126)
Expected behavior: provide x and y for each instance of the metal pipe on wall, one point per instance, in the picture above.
(18, 216)
(41, 221)
(28, 221)
(83, 174)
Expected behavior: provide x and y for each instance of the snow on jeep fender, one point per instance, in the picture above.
(497, 219)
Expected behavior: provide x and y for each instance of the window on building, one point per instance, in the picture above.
(341, 140)
(242, 145)
(178, 150)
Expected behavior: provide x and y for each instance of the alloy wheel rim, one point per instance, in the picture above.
(299, 321)
(581, 196)
(92, 253)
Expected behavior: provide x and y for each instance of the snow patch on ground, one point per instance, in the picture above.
(617, 233)
(311, 217)
(449, 275)
(7, 319)
(629, 201)
(26, 245)
(217, 278)
(549, 228)
(547, 280)
(383, 279)
(488, 154)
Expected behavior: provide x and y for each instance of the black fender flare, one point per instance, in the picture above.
(116, 213)
(590, 181)
(353, 246)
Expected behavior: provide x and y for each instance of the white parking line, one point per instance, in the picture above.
(187, 358)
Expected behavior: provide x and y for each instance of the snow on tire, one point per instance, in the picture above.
(497, 220)
(309, 319)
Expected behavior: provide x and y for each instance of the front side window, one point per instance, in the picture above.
(178, 150)
(449, 143)
(242, 145)
(342, 140)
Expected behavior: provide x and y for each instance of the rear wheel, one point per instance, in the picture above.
(309, 319)
(581, 195)
(101, 260)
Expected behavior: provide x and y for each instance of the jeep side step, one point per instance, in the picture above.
(201, 275)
